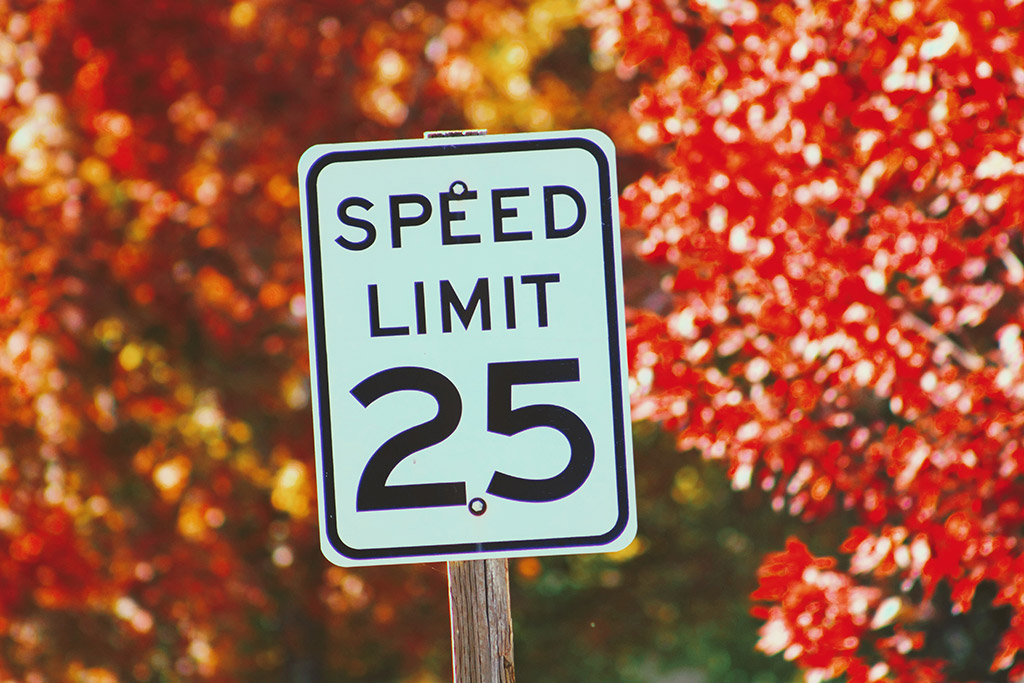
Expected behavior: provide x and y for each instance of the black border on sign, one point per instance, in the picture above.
(609, 235)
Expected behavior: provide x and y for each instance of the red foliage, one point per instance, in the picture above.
(841, 210)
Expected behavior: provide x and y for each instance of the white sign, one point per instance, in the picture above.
(464, 300)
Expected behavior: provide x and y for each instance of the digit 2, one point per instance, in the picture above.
(373, 492)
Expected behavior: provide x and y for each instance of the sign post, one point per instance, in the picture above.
(479, 606)
(481, 621)
(464, 306)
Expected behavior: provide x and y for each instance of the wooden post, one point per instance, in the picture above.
(478, 596)
(481, 621)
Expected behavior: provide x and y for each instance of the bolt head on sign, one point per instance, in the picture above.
(464, 303)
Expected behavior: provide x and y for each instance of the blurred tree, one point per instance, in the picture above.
(823, 212)
(839, 323)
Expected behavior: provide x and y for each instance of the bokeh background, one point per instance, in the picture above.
(821, 208)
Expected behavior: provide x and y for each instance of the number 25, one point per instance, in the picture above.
(374, 493)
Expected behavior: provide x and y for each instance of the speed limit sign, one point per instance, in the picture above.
(464, 303)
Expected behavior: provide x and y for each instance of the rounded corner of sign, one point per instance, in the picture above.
(600, 137)
(621, 535)
(336, 558)
(337, 552)
(308, 162)
(597, 143)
